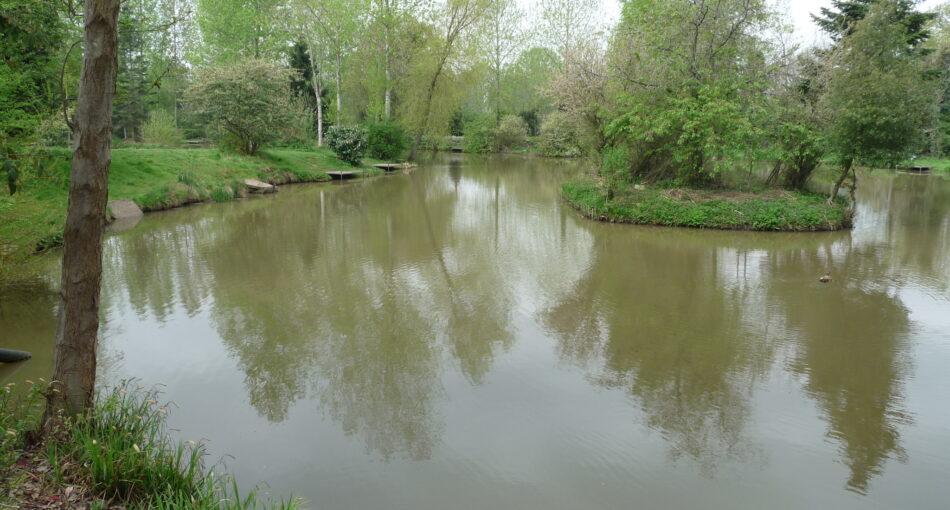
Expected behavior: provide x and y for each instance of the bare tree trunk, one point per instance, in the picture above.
(315, 79)
(74, 372)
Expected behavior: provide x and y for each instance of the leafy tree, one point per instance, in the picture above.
(798, 127)
(308, 85)
(503, 37)
(523, 82)
(31, 35)
(877, 96)
(840, 20)
(565, 24)
(334, 25)
(249, 100)
(392, 16)
(133, 87)
(240, 29)
(685, 112)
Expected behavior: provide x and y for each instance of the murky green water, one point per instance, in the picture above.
(457, 338)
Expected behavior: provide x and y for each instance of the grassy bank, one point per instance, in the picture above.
(769, 210)
(154, 178)
(939, 165)
(117, 456)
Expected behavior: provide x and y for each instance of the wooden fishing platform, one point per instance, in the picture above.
(392, 167)
(344, 174)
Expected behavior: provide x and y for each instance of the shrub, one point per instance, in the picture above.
(560, 136)
(512, 133)
(386, 140)
(349, 143)
(248, 100)
(160, 129)
(480, 134)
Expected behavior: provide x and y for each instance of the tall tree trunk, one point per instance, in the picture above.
(74, 372)
(339, 89)
(389, 77)
(315, 79)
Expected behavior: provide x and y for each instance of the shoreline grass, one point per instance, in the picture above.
(155, 178)
(762, 210)
(119, 455)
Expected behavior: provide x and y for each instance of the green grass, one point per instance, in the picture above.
(155, 178)
(118, 453)
(768, 210)
(936, 164)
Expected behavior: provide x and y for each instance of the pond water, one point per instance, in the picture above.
(456, 337)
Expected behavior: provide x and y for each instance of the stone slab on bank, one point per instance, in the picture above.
(256, 186)
(125, 209)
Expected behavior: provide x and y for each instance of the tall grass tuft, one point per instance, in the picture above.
(19, 414)
(126, 456)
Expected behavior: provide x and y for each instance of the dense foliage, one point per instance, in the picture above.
(386, 140)
(686, 114)
(480, 134)
(512, 133)
(349, 143)
(31, 36)
(560, 136)
(247, 102)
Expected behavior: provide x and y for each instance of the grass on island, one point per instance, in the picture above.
(768, 210)
(155, 178)
(117, 456)
(941, 165)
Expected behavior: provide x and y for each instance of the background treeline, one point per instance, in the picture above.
(676, 91)
(245, 73)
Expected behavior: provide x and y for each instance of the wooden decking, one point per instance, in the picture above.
(344, 174)
(392, 167)
(918, 168)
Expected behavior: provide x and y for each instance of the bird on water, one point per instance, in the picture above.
(826, 278)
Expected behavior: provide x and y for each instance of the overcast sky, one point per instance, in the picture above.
(806, 32)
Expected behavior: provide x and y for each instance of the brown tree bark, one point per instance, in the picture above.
(74, 372)
(846, 169)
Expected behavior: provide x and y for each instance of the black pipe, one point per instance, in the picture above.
(12, 356)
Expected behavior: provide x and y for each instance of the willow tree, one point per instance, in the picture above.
(74, 371)
(452, 22)
(878, 95)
